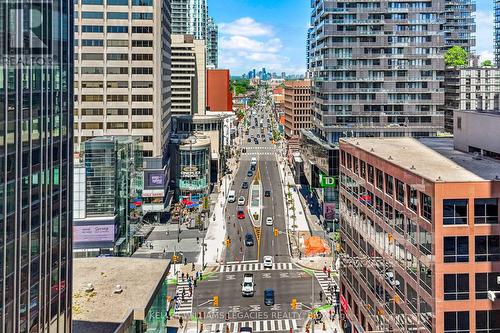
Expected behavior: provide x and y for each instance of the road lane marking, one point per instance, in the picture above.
(255, 267)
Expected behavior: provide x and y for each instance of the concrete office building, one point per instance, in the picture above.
(460, 24)
(477, 132)
(122, 70)
(212, 44)
(420, 238)
(377, 68)
(297, 107)
(36, 93)
(470, 89)
(188, 75)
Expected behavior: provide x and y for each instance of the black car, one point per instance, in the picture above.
(252, 167)
(249, 140)
(267, 193)
(244, 185)
(249, 239)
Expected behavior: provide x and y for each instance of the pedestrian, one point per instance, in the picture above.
(180, 321)
(330, 314)
(201, 276)
(194, 283)
(320, 296)
(197, 275)
(329, 272)
(182, 276)
(335, 288)
(190, 291)
(192, 267)
(185, 261)
(324, 269)
(187, 276)
(197, 240)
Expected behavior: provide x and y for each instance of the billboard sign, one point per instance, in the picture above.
(190, 172)
(327, 182)
(154, 179)
(329, 210)
(93, 233)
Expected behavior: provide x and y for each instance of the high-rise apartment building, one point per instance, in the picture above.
(470, 89)
(36, 94)
(122, 70)
(497, 32)
(188, 75)
(309, 37)
(212, 44)
(459, 24)
(377, 68)
(420, 240)
(297, 107)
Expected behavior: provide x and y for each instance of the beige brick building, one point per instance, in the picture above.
(297, 107)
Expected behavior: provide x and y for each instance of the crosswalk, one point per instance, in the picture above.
(326, 282)
(260, 148)
(255, 267)
(257, 326)
(259, 153)
(184, 306)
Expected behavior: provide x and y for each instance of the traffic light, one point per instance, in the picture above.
(390, 237)
(228, 242)
(294, 303)
(397, 299)
(276, 232)
(174, 259)
(216, 301)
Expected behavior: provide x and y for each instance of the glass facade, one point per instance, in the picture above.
(36, 130)
(194, 170)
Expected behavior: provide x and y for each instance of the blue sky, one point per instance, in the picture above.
(272, 33)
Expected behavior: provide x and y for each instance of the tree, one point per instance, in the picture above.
(486, 63)
(456, 57)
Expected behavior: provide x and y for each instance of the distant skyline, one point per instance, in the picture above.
(272, 34)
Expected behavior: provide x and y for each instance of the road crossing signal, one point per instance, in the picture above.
(294, 303)
(174, 259)
(216, 301)
(276, 232)
(228, 242)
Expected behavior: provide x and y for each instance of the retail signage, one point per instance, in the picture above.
(326, 182)
(329, 210)
(190, 172)
(345, 305)
(93, 233)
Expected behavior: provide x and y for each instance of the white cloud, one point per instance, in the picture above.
(484, 34)
(245, 26)
(486, 55)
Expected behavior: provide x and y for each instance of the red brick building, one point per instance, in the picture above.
(420, 237)
(219, 96)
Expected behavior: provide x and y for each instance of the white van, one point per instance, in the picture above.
(231, 197)
(253, 161)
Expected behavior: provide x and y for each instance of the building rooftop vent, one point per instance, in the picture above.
(439, 179)
(390, 158)
(118, 289)
(372, 150)
(413, 168)
(89, 288)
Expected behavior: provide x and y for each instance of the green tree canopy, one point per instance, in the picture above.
(487, 63)
(456, 57)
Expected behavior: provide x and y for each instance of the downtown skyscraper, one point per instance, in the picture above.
(36, 165)
(377, 68)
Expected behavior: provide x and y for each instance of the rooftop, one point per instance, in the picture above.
(430, 158)
(102, 310)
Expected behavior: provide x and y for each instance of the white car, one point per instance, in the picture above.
(241, 201)
(269, 220)
(268, 262)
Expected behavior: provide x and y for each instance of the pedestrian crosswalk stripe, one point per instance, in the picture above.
(255, 267)
(184, 306)
(259, 153)
(325, 282)
(257, 326)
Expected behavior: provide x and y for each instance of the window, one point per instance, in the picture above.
(91, 2)
(142, 84)
(142, 57)
(117, 70)
(117, 29)
(117, 98)
(486, 211)
(92, 98)
(456, 322)
(117, 42)
(117, 56)
(371, 175)
(425, 241)
(142, 70)
(142, 112)
(92, 84)
(487, 248)
(380, 180)
(117, 125)
(92, 15)
(142, 2)
(92, 126)
(412, 198)
(456, 249)
(142, 30)
(426, 206)
(485, 282)
(92, 42)
(426, 278)
(142, 125)
(92, 112)
(455, 211)
(92, 56)
(117, 112)
(142, 43)
(117, 16)
(142, 16)
(412, 232)
(488, 321)
(142, 98)
(117, 2)
(389, 185)
(400, 191)
(92, 70)
(456, 287)
(117, 84)
(92, 28)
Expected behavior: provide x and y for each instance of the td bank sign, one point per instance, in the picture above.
(326, 182)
